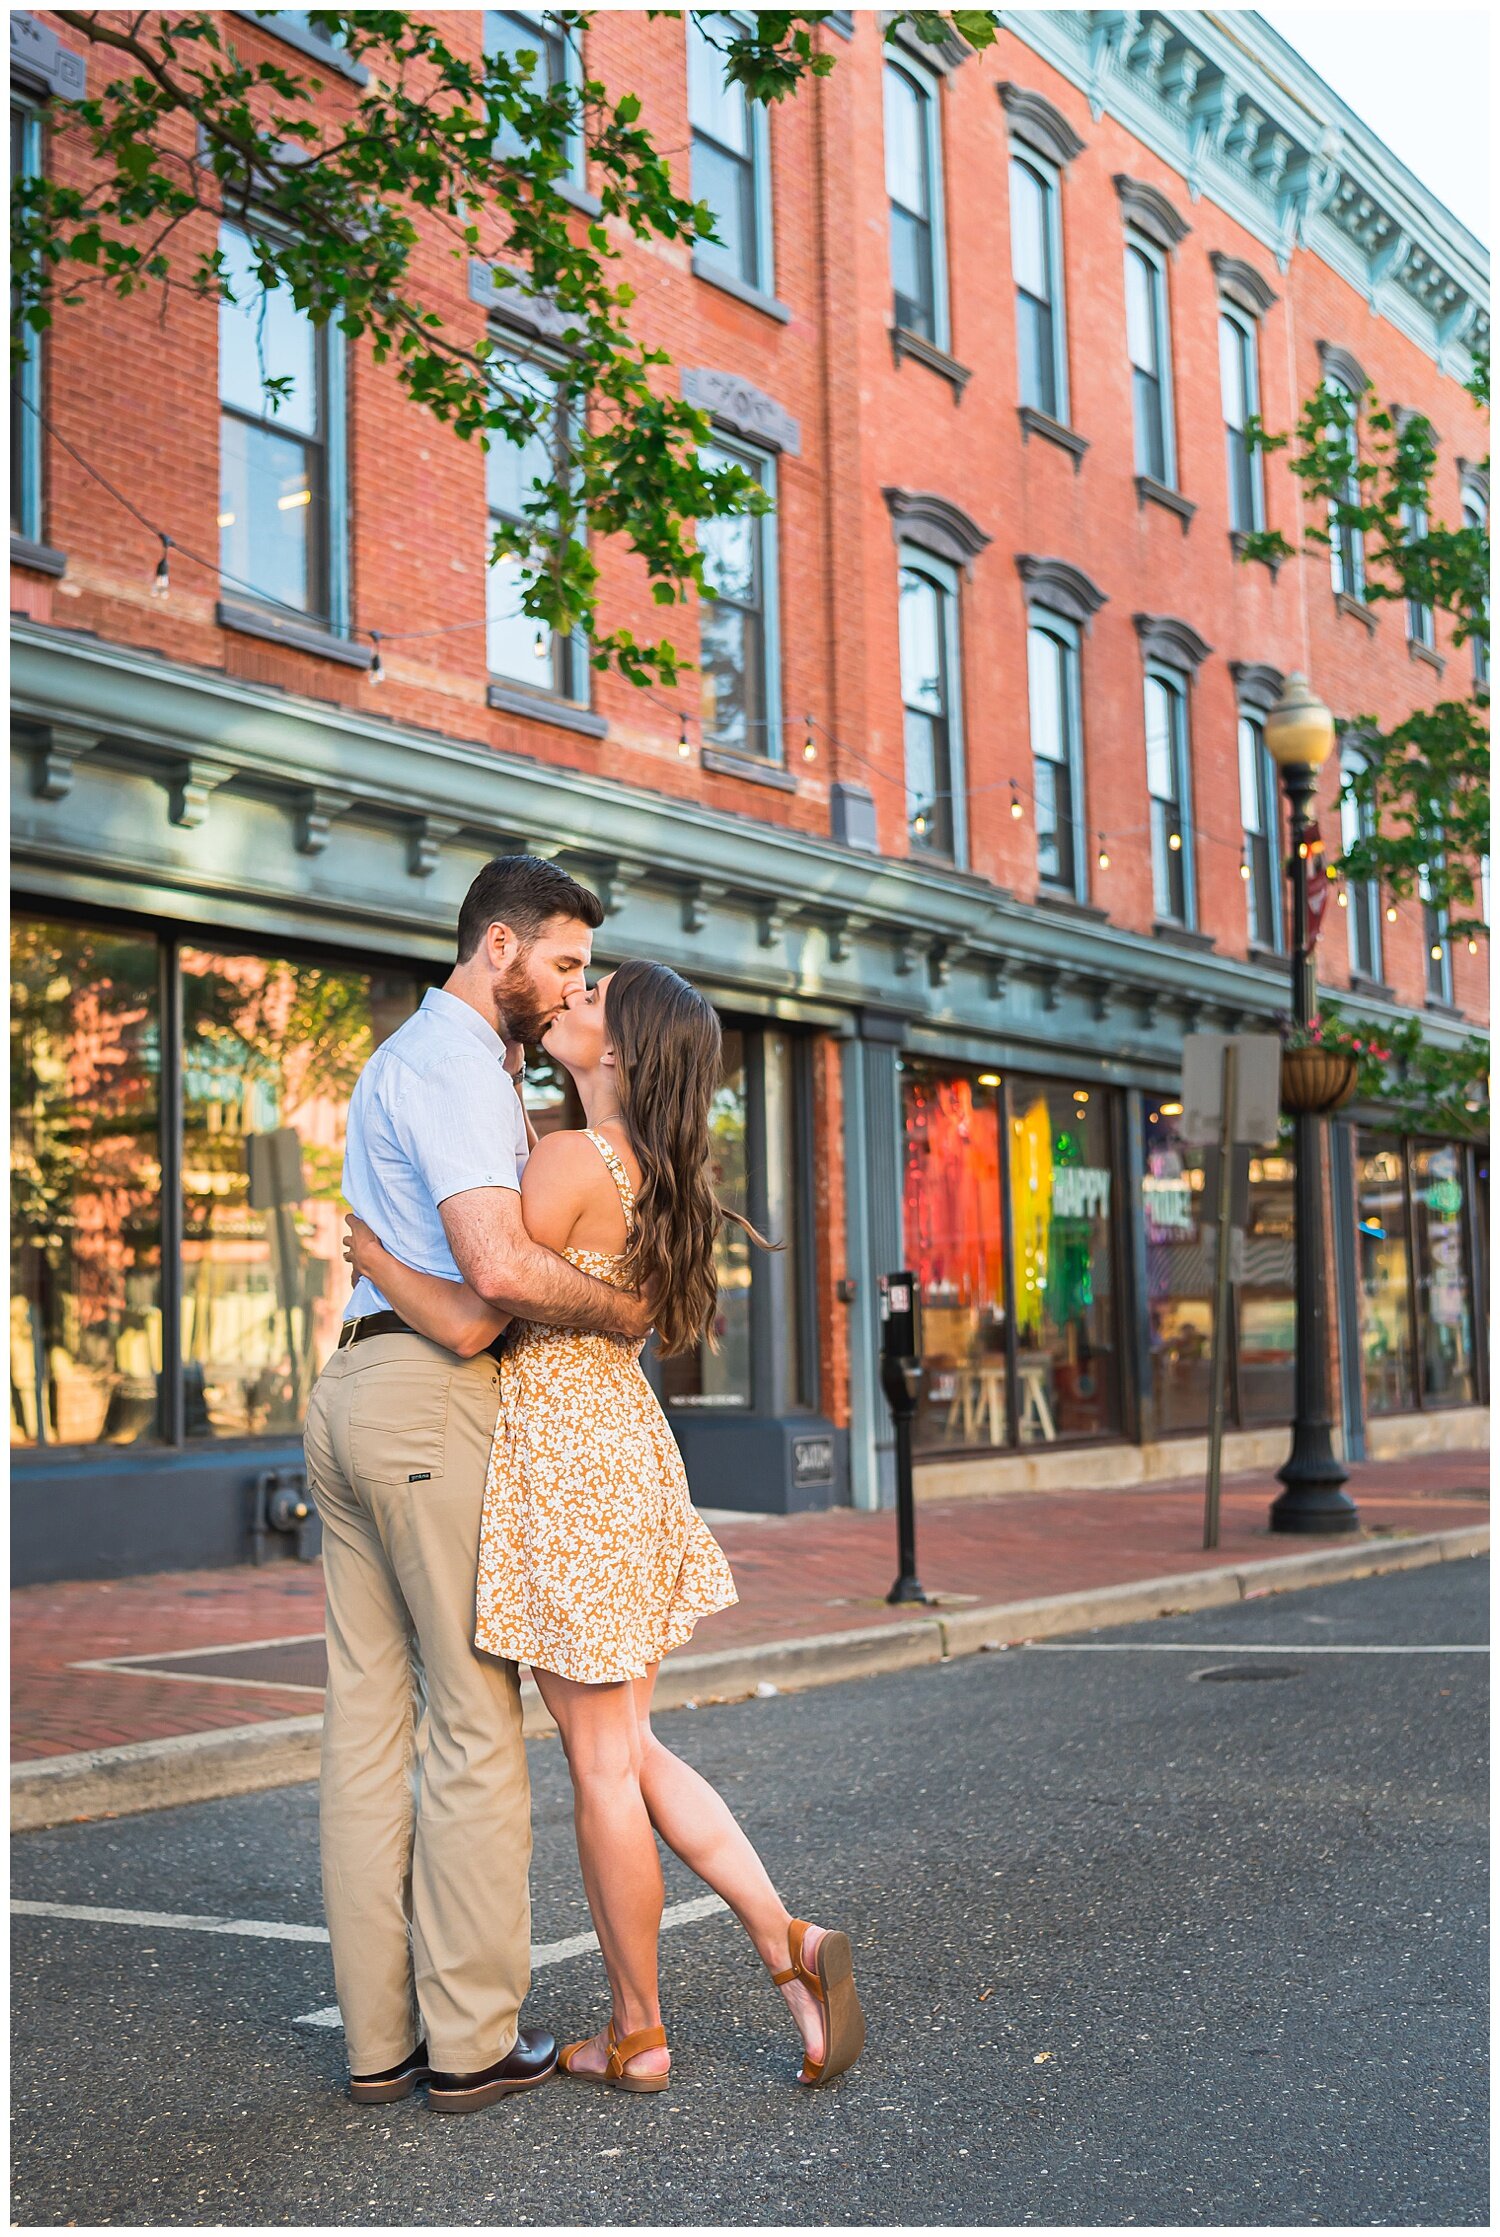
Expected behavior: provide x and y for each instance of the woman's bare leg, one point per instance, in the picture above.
(616, 1850)
(699, 1827)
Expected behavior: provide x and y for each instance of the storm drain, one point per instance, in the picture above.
(1244, 1673)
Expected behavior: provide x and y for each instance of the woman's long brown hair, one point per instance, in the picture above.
(668, 1052)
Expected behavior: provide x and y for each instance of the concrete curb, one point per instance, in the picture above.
(205, 1766)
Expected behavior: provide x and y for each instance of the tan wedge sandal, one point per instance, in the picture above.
(621, 2052)
(831, 1980)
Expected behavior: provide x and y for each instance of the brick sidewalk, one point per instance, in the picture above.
(799, 1577)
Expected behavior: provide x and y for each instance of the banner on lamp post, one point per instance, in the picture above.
(1314, 870)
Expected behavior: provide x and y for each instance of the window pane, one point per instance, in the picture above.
(729, 547)
(921, 632)
(1161, 756)
(1029, 232)
(906, 179)
(727, 185)
(512, 470)
(708, 1378)
(953, 1243)
(715, 104)
(516, 644)
(1140, 311)
(85, 1313)
(1048, 680)
(263, 335)
(1060, 1178)
(271, 523)
(1446, 1331)
(1233, 382)
(911, 272)
(516, 34)
(271, 1052)
(1150, 438)
(24, 504)
(1252, 814)
(1384, 1276)
(1037, 355)
(1266, 1302)
(783, 1185)
(731, 652)
(1179, 1275)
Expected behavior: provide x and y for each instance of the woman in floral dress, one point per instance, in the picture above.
(593, 1563)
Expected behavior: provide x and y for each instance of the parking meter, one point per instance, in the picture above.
(901, 1380)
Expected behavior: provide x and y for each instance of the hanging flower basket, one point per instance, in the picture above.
(1317, 1079)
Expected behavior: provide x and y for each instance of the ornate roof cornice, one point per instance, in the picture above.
(1239, 114)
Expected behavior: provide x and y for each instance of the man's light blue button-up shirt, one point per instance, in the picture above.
(433, 1113)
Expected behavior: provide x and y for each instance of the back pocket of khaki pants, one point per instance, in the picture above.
(398, 1427)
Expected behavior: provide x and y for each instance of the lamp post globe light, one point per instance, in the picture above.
(1299, 738)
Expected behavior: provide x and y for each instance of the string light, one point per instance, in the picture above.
(1244, 870)
(376, 669)
(542, 642)
(1102, 858)
(1436, 951)
(919, 825)
(1016, 808)
(809, 745)
(1390, 914)
(161, 581)
(1175, 842)
(1343, 900)
(1473, 946)
(684, 750)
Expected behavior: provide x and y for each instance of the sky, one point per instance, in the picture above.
(1420, 79)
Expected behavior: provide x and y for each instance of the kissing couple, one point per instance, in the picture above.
(498, 1484)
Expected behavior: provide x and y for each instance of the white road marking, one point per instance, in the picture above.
(1210, 1646)
(147, 1665)
(277, 1930)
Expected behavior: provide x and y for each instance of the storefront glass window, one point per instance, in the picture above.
(1178, 1221)
(1444, 1325)
(782, 1223)
(1266, 1296)
(1384, 1275)
(1060, 1176)
(707, 1378)
(85, 1313)
(953, 1244)
(271, 1052)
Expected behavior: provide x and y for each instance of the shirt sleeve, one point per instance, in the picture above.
(455, 1121)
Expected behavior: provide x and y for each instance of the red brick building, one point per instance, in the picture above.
(966, 821)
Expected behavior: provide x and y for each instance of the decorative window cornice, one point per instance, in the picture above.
(744, 409)
(1257, 685)
(533, 314)
(1149, 211)
(1061, 588)
(1472, 477)
(920, 517)
(1036, 124)
(40, 63)
(1343, 366)
(943, 55)
(1176, 644)
(1241, 284)
(1227, 103)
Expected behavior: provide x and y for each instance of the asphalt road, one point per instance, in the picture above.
(1135, 1946)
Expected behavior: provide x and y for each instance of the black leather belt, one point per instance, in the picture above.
(391, 1324)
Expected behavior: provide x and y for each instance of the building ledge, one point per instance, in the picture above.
(741, 290)
(40, 558)
(1238, 539)
(297, 636)
(1034, 422)
(1416, 650)
(1068, 905)
(1370, 990)
(747, 767)
(1182, 936)
(906, 344)
(562, 714)
(1267, 958)
(278, 24)
(1357, 610)
(1150, 491)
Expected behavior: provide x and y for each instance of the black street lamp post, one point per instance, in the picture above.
(1299, 738)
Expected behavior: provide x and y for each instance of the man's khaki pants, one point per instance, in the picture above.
(425, 1801)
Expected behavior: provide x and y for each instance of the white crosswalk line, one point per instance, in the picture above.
(1211, 1646)
(278, 1930)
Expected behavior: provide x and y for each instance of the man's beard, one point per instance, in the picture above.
(521, 1015)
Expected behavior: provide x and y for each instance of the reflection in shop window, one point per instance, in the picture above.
(1178, 1220)
(710, 1378)
(85, 1313)
(1060, 1184)
(271, 1052)
(1442, 1275)
(953, 1243)
(1266, 1299)
(1384, 1276)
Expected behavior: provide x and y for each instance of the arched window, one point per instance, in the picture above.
(1347, 545)
(914, 185)
(1036, 260)
(929, 693)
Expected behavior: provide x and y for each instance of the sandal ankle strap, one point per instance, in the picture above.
(796, 1935)
(623, 2049)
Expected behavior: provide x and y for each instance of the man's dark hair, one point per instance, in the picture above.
(524, 892)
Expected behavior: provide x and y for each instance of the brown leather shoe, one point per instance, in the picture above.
(396, 2081)
(531, 2060)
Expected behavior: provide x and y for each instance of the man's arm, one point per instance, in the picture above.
(496, 1256)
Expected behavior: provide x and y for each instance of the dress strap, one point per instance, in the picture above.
(618, 1173)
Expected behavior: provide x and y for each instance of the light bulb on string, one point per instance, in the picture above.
(809, 748)
(161, 581)
(1016, 808)
(683, 748)
(1390, 914)
(1244, 870)
(376, 669)
(1472, 946)
(1103, 855)
(1174, 841)
(1436, 951)
(919, 826)
(1343, 900)
(541, 643)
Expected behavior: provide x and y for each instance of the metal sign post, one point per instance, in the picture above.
(901, 1376)
(1231, 1095)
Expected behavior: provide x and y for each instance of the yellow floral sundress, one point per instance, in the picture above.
(592, 1560)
